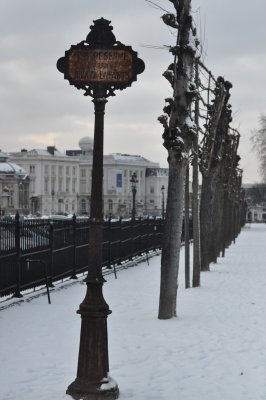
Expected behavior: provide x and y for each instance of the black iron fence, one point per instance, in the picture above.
(26, 247)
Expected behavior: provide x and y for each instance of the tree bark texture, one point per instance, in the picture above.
(212, 166)
(195, 194)
(178, 134)
(187, 231)
(172, 238)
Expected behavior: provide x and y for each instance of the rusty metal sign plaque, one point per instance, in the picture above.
(99, 65)
(100, 60)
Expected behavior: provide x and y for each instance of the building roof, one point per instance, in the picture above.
(7, 168)
(46, 153)
(130, 159)
(3, 157)
(50, 152)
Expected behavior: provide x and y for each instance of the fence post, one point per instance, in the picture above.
(51, 245)
(154, 233)
(145, 228)
(109, 241)
(18, 252)
(110, 246)
(120, 240)
(132, 237)
(140, 235)
(74, 226)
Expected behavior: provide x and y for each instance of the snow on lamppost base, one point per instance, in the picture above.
(82, 390)
(93, 381)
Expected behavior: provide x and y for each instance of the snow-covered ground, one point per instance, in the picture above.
(214, 350)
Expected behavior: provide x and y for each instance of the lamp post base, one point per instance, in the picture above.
(81, 389)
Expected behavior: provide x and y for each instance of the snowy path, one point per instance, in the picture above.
(214, 350)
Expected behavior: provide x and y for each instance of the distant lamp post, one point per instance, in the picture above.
(163, 189)
(53, 210)
(78, 209)
(134, 182)
(20, 197)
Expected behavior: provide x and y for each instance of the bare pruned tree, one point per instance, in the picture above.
(179, 130)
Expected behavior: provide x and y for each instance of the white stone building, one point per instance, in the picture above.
(117, 188)
(54, 180)
(14, 187)
(156, 190)
(256, 213)
(61, 183)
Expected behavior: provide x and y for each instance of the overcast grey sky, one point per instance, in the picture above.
(39, 108)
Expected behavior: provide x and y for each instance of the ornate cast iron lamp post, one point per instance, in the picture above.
(134, 182)
(99, 65)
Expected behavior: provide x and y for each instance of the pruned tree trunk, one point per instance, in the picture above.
(187, 231)
(172, 238)
(179, 131)
(195, 193)
(230, 176)
(211, 166)
(206, 213)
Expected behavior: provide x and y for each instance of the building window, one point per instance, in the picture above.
(83, 187)
(53, 170)
(83, 173)
(46, 186)
(141, 174)
(83, 205)
(125, 173)
(53, 187)
(74, 171)
(60, 170)
(74, 186)
(32, 186)
(110, 205)
(67, 171)
(32, 169)
(67, 185)
(152, 190)
(11, 198)
(152, 201)
(46, 169)
(60, 185)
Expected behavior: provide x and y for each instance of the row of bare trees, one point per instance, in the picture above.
(196, 129)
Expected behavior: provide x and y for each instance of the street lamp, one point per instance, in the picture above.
(53, 193)
(77, 208)
(20, 196)
(163, 189)
(99, 65)
(134, 182)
